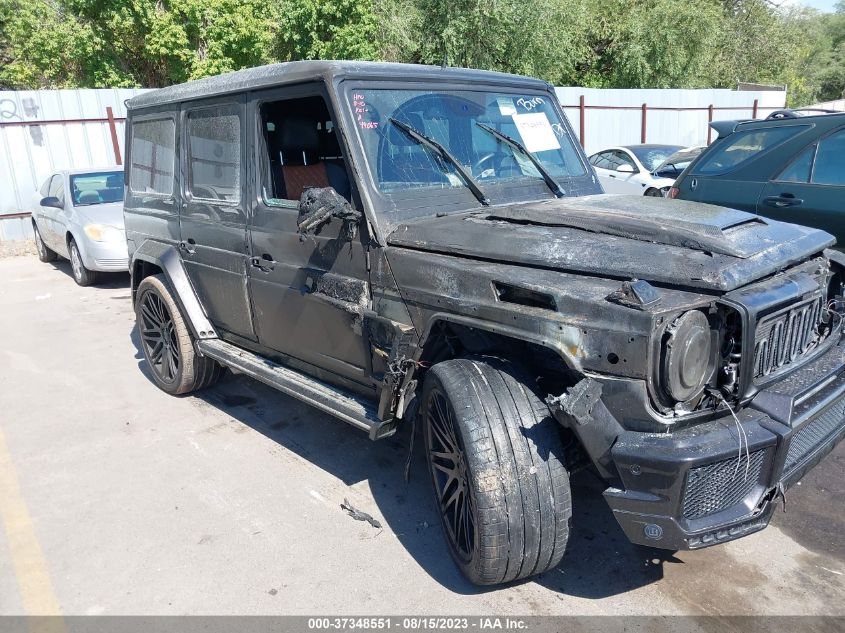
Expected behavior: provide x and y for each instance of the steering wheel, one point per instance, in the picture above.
(478, 166)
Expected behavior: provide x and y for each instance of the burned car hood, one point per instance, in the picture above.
(663, 241)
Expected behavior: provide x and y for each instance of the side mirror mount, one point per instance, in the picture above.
(317, 207)
(52, 201)
(625, 168)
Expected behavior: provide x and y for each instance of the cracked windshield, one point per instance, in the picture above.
(418, 140)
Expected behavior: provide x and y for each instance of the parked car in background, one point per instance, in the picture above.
(631, 169)
(789, 167)
(675, 164)
(78, 215)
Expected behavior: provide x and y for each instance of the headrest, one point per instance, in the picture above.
(300, 135)
(89, 197)
(398, 137)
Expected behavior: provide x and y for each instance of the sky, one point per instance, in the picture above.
(821, 5)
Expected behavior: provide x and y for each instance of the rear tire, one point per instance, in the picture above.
(167, 343)
(45, 253)
(495, 456)
(81, 275)
(653, 193)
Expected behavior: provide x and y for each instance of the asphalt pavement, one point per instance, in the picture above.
(116, 498)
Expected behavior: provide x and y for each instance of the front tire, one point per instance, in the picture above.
(495, 457)
(167, 342)
(653, 193)
(45, 253)
(81, 275)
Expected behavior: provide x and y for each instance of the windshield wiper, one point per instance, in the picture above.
(547, 177)
(444, 154)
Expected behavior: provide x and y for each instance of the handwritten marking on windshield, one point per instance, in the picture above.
(531, 103)
(359, 105)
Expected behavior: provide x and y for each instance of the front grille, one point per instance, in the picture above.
(785, 336)
(718, 486)
(813, 433)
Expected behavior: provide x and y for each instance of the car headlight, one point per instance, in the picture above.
(103, 233)
(686, 361)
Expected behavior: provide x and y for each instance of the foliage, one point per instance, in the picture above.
(327, 29)
(602, 43)
(825, 67)
(542, 38)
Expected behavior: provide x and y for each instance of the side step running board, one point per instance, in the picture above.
(343, 404)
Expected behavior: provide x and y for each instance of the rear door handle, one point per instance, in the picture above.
(783, 200)
(265, 263)
(189, 246)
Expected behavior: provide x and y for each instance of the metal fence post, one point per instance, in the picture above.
(709, 121)
(581, 110)
(643, 126)
(113, 129)
(754, 110)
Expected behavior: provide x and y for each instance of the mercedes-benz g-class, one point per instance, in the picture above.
(395, 243)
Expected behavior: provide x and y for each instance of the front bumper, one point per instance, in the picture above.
(105, 256)
(705, 484)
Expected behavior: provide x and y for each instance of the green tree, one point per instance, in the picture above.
(327, 29)
(542, 38)
(651, 43)
(825, 68)
(98, 43)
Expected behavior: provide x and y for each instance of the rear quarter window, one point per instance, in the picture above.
(741, 147)
(153, 156)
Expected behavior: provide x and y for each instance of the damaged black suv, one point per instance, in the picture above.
(395, 243)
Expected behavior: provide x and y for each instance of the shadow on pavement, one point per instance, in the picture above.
(599, 561)
(108, 281)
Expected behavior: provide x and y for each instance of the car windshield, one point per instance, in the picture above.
(651, 157)
(96, 188)
(465, 123)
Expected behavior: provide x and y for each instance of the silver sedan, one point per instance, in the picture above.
(78, 214)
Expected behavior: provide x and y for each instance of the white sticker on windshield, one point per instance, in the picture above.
(536, 131)
(506, 106)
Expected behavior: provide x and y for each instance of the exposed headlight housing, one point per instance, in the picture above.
(103, 233)
(687, 356)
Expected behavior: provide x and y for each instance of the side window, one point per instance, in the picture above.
(214, 153)
(621, 158)
(799, 169)
(153, 156)
(741, 147)
(301, 150)
(45, 188)
(829, 168)
(603, 160)
(57, 187)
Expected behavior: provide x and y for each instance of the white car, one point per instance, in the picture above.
(633, 169)
(78, 214)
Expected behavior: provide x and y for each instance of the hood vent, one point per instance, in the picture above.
(508, 293)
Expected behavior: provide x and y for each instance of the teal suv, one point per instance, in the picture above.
(790, 168)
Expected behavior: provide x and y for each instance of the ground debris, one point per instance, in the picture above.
(358, 515)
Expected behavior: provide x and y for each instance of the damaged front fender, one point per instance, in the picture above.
(580, 409)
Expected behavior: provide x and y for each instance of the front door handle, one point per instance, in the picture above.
(783, 200)
(265, 263)
(189, 246)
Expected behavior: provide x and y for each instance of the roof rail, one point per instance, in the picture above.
(795, 113)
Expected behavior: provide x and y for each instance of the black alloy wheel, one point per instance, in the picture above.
(449, 475)
(158, 335)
